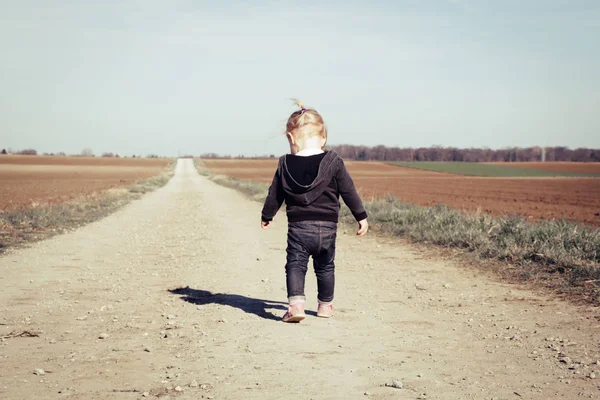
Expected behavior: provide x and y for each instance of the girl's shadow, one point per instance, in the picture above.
(247, 304)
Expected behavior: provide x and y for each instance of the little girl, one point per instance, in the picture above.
(310, 182)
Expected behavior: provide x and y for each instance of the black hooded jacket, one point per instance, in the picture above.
(311, 187)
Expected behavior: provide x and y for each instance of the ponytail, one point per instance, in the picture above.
(306, 122)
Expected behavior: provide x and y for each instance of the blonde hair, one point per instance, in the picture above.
(306, 122)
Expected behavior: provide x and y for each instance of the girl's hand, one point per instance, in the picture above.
(363, 227)
(265, 225)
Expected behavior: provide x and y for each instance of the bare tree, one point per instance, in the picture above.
(28, 152)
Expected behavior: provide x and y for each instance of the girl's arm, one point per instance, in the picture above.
(351, 198)
(273, 201)
(349, 193)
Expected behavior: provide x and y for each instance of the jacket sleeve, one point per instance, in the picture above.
(274, 199)
(349, 193)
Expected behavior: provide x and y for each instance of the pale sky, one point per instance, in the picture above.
(191, 76)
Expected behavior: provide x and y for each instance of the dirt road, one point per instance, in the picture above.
(115, 320)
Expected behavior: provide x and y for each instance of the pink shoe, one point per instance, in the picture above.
(295, 312)
(325, 310)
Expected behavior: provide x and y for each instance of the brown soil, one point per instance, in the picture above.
(107, 161)
(263, 170)
(580, 168)
(27, 181)
(256, 170)
(576, 199)
(180, 295)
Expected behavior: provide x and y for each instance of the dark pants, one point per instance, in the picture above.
(316, 239)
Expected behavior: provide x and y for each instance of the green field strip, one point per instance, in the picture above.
(487, 170)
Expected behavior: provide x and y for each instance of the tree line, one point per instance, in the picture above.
(84, 153)
(438, 153)
(435, 153)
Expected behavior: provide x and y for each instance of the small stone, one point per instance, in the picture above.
(194, 384)
(223, 320)
(145, 394)
(170, 316)
(397, 384)
(592, 375)
(367, 394)
(39, 371)
(446, 286)
(103, 336)
(565, 360)
(178, 389)
(419, 375)
(147, 349)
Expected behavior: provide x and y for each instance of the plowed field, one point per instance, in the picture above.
(26, 181)
(575, 199)
(578, 168)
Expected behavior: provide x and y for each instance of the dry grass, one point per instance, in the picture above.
(560, 255)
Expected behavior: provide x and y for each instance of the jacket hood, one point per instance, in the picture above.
(306, 194)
